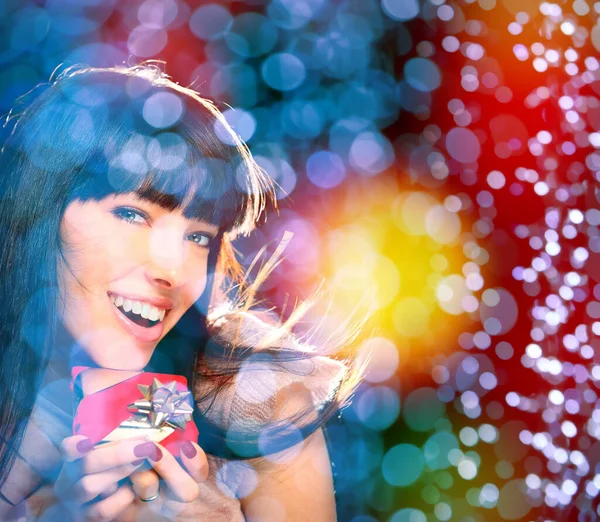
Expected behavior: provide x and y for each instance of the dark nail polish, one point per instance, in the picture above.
(156, 454)
(84, 446)
(137, 462)
(145, 449)
(187, 448)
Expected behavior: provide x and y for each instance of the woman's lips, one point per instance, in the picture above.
(147, 335)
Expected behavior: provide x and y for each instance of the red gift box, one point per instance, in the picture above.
(153, 405)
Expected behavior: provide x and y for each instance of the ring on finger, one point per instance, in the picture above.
(150, 499)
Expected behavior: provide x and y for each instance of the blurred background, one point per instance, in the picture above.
(438, 164)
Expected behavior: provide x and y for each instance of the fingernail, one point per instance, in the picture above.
(156, 455)
(187, 448)
(85, 445)
(146, 449)
(137, 462)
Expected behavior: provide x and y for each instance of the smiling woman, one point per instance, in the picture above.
(135, 269)
(121, 192)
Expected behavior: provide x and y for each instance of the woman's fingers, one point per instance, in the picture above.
(181, 485)
(123, 452)
(95, 471)
(94, 485)
(111, 507)
(73, 448)
(91, 471)
(145, 483)
(107, 456)
(110, 490)
(194, 460)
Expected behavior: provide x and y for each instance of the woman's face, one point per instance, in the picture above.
(135, 270)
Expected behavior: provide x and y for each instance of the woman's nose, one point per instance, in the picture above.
(168, 254)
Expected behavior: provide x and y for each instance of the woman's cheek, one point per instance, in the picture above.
(198, 281)
(121, 251)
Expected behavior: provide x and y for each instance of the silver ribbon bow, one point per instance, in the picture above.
(162, 405)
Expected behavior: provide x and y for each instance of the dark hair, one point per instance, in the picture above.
(80, 139)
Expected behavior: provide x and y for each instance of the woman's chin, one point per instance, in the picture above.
(129, 363)
(110, 349)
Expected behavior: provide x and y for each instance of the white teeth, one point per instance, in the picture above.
(154, 313)
(146, 310)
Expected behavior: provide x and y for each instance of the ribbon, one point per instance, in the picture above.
(163, 405)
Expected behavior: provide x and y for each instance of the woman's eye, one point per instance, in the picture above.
(130, 215)
(135, 216)
(200, 239)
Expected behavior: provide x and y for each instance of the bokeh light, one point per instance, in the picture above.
(438, 165)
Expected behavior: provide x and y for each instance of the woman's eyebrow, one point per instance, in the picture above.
(165, 201)
(169, 203)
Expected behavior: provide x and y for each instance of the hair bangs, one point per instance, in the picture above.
(201, 192)
(195, 162)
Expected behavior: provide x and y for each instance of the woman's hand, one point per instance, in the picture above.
(93, 474)
(163, 482)
(91, 484)
(182, 483)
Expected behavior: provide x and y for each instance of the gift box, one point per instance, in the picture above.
(156, 406)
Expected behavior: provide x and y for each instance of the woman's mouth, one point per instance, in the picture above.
(142, 314)
(141, 319)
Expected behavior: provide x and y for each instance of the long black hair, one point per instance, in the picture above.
(87, 134)
(95, 132)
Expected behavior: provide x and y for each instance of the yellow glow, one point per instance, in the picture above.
(392, 249)
(411, 317)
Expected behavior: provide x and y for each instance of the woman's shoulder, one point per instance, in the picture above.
(269, 370)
